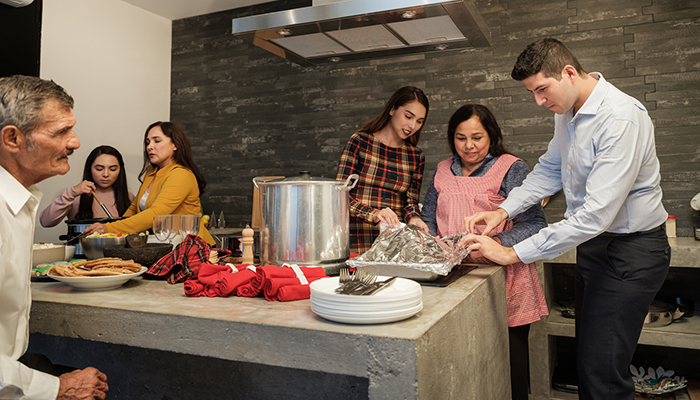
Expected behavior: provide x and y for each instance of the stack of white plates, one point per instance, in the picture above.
(402, 299)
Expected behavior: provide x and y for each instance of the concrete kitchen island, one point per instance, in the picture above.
(455, 348)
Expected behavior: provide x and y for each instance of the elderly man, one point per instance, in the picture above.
(603, 157)
(36, 138)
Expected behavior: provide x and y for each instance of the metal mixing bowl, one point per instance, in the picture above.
(94, 247)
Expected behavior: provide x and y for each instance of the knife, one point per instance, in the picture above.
(378, 286)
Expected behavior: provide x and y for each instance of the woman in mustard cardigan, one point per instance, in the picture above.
(171, 183)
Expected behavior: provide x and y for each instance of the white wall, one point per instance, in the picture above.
(114, 59)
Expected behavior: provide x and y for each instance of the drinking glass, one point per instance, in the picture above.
(160, 228)
(173, 223)
(189, 225)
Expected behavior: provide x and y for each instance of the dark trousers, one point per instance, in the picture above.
(617, 277)
(519, 362)
(42, 363)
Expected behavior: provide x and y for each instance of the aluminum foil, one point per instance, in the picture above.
(408, 246)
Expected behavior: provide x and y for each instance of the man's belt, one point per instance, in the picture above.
(652, 230)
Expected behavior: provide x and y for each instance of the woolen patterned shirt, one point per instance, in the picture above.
(389, 177)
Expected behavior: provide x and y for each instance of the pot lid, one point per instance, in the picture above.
(304, 178)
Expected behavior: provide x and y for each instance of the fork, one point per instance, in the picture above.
(347, 280)
(365, 283)
(344, 275)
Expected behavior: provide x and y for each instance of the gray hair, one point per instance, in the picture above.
(22, 99)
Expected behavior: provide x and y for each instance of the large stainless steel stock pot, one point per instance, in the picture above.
(305, 220)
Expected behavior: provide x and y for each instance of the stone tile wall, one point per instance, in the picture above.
(249, 113)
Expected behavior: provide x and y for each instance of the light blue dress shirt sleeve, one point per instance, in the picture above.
(609, 173)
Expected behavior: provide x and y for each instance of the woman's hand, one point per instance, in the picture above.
(419, 223)
(386, 215)
(84, 187)
(489, 218)
(96, 227)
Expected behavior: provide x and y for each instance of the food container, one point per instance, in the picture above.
(305, 220)
(76, 226)
(48, 255)
(93, 247)
(69, 253)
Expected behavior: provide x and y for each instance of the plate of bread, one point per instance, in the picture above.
(99, 274)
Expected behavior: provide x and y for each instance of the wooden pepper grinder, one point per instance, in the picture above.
(247, 242)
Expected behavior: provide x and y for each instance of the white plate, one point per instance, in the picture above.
(372, 307)
(97, 282)
(367, 314)
(367, 320)
(401, 289)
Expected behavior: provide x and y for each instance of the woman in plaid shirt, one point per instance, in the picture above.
(384, 154)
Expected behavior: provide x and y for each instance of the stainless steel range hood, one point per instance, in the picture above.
(363, 29)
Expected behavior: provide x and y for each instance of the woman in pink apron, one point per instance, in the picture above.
(479, 177)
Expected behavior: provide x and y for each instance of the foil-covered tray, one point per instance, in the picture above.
(408, 252)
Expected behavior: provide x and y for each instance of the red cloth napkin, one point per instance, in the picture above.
(231, 282)
(217, 280)
(273, 271)
(276, 283)
(194, 288)
(270, 279)
(184, 261)
(288, 289)
(247, 290)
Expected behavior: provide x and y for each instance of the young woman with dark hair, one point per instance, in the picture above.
(384, 154)
(104, 173)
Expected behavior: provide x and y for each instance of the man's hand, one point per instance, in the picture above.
(386, 215)
(419, 223)
(489, 218)
(83, 384)
(475, 256)
(490, 249)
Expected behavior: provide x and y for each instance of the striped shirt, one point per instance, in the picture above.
(389, 177)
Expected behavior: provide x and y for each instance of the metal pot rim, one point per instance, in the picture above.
(91, 221)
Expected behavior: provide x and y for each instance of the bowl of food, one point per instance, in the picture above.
(94, 244)
(145, 255)
(47, 253)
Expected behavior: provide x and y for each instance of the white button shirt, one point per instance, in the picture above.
(18, 208)
(604, 159)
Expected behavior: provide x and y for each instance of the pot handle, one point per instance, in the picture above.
(256, 180)
(354, 177)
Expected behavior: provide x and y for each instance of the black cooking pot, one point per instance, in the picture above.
(77, 226)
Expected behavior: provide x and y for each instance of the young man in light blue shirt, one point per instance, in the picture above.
(603, 158)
